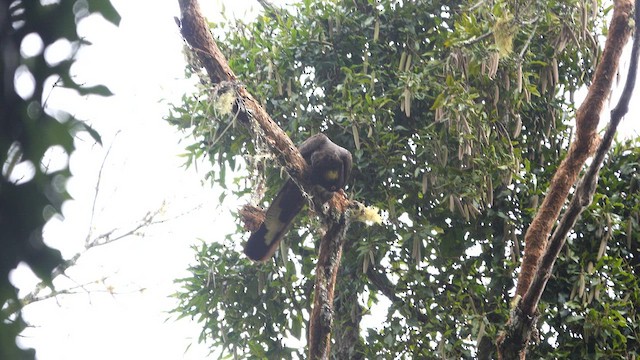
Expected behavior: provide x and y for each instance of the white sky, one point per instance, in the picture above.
(142, 63)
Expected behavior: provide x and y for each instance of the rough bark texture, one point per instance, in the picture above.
(347, 317)
(587, 118)
(512, 343)
(329, 256)
(196, 32)
(585, 190)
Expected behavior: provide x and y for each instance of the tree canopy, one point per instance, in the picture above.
(457, 116)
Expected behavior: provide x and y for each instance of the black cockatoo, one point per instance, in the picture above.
(329, 169)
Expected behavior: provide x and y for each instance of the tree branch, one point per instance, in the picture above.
(196, 32)
(326, 271)
(386, 287)
(587, 118)
(586, 188)
(513, 342)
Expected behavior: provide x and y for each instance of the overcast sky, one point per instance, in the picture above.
(121, 309)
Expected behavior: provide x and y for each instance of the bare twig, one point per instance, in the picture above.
(267, 5)
(97, 189)
(108, 237)
(476, 39)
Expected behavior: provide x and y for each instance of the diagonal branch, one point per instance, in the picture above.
(513, 342)
(587, 118)
(386, 287)
(196, 32)
(586, 187)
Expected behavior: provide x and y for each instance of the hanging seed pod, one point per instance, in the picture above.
(445, 156)
(459, 206)
(534, 201)
(494, 60)
(507, 81)
(489, 191)
(590, 297)
(403, 58)
(519, 78)
(376, 30)
(554, 72)
(437, 117)
(279, 82)
(416, 252)
(518, 126)
(465, 212)
(473, 211)
(602, 248)
(583, 20)
(365, 264)
(407, 101)
(425, 183)
(356, 135)
(581, 285)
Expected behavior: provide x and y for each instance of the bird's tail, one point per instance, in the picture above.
(278, 218)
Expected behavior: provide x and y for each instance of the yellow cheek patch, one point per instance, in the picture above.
(331, 175)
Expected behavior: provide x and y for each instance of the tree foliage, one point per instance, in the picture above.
(457, 115)
(29, 128)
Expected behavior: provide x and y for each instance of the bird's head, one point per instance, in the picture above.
(326, 170)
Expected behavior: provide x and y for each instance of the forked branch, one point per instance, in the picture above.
(512, 344)
(196, 32)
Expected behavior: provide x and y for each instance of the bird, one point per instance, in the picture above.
(329, 169)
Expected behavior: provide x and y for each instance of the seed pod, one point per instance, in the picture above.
(376, 30)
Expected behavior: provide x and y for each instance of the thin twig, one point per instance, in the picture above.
(97, 189)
